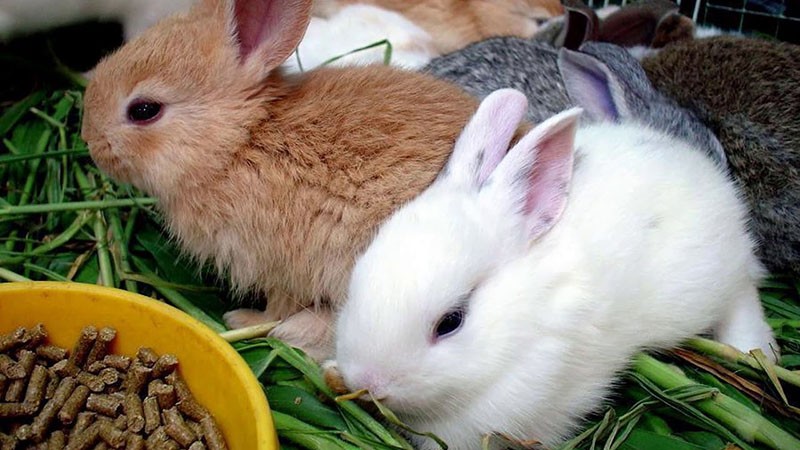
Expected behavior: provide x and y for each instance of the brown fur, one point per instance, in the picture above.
(280, 181)
(454, 24)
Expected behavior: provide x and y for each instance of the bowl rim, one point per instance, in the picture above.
(263, 417)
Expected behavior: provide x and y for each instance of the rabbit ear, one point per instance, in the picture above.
(535, 175)
(592, 86)
(580, 25)
(636, 24)
(266, 31)
(486, 138)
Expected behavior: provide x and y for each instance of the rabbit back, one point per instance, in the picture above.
(746, 91)
(507, 62)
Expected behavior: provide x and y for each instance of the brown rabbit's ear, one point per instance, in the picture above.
(638, 24)
(580, 25)
(266, 31)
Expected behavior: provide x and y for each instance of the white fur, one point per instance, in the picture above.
(651, 249)
(357, 26)
(26, 16)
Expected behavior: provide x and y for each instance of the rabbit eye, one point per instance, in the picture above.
(143, 111)
(450, 323)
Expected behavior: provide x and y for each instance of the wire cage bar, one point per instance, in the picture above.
(778, 19)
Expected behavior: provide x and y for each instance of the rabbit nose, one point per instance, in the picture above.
(373, 383)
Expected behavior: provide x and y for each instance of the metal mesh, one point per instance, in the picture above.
(778, 19)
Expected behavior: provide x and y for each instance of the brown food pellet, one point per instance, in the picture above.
(137, 377)
(133, 409)
(24, 433)
(19, 409)
(134, 442)
(212, 435)
(164, 393)
(10, 368)
(73, 405)
(57, 441)
(195, 426)
(35, 336)
(111, 435)
(164, 365)
(156, 438)
(119, 362)
(60, 368)
(85, 439)
(36, 386)
(87, 399)
(152, 414)
(12, 340)
(147, 356)
(109, 376)
(197, 446)
(15, 390)
(82, 348)
(7, 442)
(93, 382)
(81, 423)
(103, 404)
(121, 422)
(51, 353)
(169, 444)
(100, 347)
(186, 402)
(177, 429)
(42, 422)
(96, 367)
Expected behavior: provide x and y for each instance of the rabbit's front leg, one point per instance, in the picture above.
(744, 326)
(309, 328)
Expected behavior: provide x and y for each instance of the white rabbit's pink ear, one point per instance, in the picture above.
(267, 31)
(486, 138)
(535, 176)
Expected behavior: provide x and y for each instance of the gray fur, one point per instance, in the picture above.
(747, 92)
(531, 67)
(507, 62)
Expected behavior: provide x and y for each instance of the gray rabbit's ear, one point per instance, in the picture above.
(591, 85)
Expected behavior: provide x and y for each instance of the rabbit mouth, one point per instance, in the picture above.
(112, 165)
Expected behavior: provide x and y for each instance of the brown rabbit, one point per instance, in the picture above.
(279, 181)
(454, 24)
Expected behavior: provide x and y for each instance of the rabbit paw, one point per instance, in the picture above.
(333, 378)
(243, 318)
(310, 330)
(745, 326)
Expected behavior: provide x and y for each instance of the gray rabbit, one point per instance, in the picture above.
(532, 67)
(741, 93)
(746, 91)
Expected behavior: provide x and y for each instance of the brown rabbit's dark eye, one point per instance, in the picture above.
(450, 323)
(143, 111)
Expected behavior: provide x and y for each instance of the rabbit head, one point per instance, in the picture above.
(168, 107)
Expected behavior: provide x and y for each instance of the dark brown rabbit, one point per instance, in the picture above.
(280, 181)
(747, 92)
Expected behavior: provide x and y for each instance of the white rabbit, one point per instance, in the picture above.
(26, 16)
(509, 294)
(357, 26)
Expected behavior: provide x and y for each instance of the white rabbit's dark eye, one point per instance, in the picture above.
(144, 111)
(450, 323)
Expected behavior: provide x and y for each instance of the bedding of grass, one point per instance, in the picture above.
(62, 219)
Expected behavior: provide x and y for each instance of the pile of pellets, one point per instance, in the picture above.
(51, 398)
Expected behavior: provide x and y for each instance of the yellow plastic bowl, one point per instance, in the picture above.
(217, 376)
